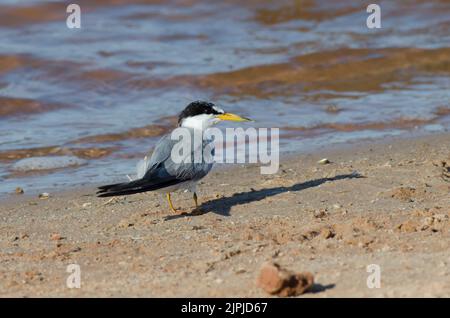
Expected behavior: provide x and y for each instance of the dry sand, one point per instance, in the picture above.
(308, 217)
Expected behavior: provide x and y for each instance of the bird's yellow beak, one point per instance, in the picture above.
(232, 117)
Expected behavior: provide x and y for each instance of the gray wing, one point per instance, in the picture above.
(162, 167)
(161, 152)
(162, 171)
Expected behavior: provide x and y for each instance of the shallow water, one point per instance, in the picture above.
(107, 92)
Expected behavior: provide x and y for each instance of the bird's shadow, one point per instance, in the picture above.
(222, 206)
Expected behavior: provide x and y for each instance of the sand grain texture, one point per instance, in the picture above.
(323, 219)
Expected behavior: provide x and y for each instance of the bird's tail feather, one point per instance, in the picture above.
(133, 187)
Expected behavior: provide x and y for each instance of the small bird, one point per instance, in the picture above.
(161, 173)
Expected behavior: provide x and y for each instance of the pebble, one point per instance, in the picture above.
(126, 223)
(278, 281)
(19, 190)
(44, 195)
(55, 237)
(324, 161)
(326, 233)
(320, 213)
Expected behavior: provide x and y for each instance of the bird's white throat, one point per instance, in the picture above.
(201, 122)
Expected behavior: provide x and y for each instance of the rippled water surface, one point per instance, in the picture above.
(105, 93)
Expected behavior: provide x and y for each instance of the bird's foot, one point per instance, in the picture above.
(178, 212)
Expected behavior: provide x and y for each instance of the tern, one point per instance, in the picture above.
(163, 174)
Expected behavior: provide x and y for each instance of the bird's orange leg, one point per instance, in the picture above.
(170, 203)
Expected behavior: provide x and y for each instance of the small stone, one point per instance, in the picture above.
(428, 221)
(125, 224)
(86, 205)
(19, 190)
(56, 237)
(337, 206)
(441, 217)
(324, 161)
(320, 213)
(407, 227)
(326, 233)
(278, 281)
(44, 195)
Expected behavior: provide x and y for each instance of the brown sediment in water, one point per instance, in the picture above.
(169, 16)
(104, 75)
(21, 106)
(141, 132)
(100, 79)
(40, 68)
(307, 10)
(134, 133)
(397, 124)
(66, 71)
(442, 111)
(316, 11)
(16, 16)
(85, 153)
(181, 37)
(159, 130)
(9, 63)
(92, 152)
(400, 123)
(339, 70)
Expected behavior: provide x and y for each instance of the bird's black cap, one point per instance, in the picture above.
(199, 108)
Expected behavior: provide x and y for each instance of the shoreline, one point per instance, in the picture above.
(307, 217)
(318, 151)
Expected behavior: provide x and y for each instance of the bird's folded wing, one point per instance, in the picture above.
(162, 172)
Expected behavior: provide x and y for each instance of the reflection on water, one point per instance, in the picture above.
(106, 93)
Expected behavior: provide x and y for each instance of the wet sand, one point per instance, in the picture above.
(325, 219)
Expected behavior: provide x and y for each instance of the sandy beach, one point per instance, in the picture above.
(384, 203)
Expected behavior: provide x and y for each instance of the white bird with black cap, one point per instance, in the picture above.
(162, 173)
